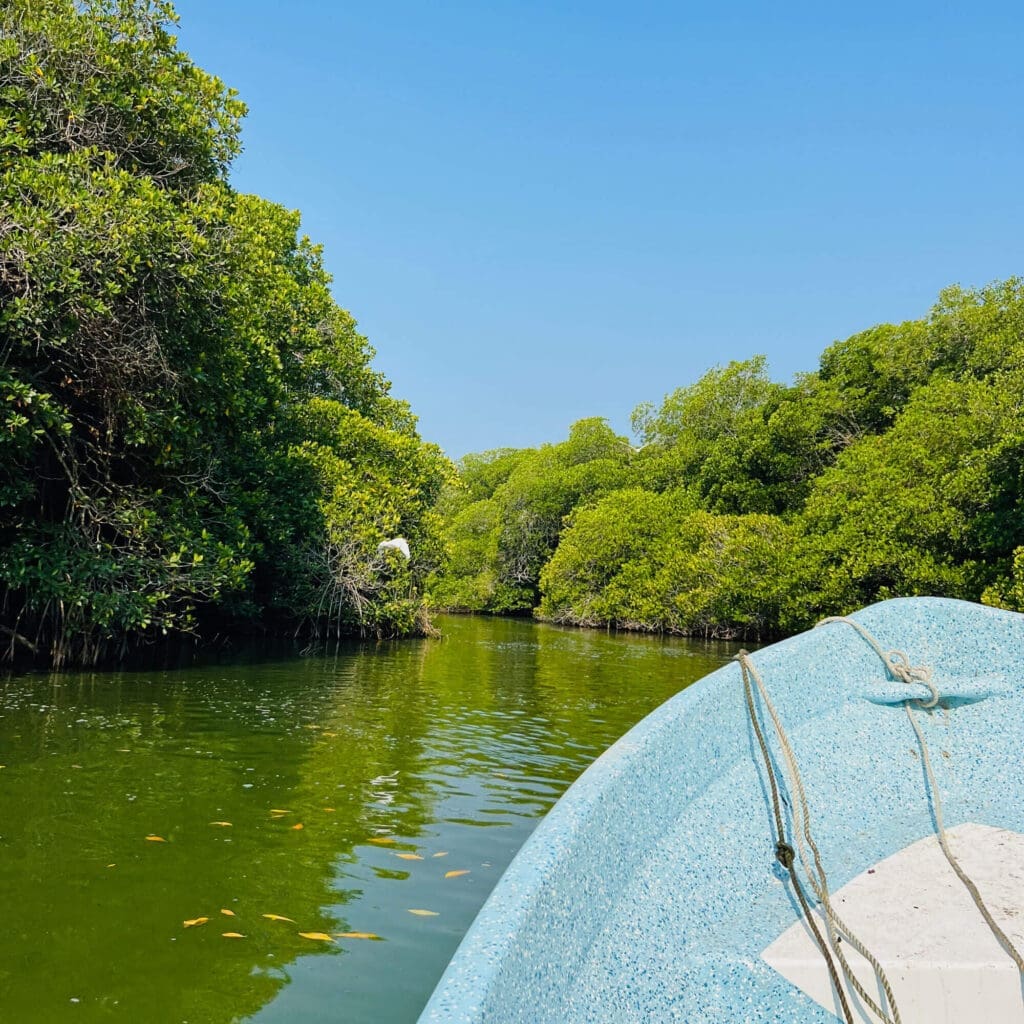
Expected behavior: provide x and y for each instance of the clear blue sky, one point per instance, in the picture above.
(544, 211)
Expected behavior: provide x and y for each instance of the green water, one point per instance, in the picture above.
(455, 747)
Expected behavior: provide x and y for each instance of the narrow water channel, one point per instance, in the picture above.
(316, 795)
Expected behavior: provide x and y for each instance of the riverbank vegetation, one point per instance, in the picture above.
(752, 508)
(192, 435)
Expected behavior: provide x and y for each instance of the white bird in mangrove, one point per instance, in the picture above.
(395, 544)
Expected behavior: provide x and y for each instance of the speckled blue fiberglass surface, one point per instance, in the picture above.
(650, 890)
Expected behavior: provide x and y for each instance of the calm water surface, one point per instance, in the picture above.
(400, 762)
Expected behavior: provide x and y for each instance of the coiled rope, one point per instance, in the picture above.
(899, 666)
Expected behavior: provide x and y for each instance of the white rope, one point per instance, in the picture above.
(899, 665)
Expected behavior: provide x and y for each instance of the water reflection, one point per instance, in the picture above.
(403, 763)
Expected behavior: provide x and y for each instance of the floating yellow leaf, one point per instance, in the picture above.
(298, 826)
(356, 935)
(318, 936)
(196, 921)
(424, 913)
(455, 874)
(381, 840)
(278, 917)
(329, 810)
(222, 824)
(278, 810)
(233, 935)
(155, 839)
(111, 865)
(409, 856)
(441, 853)
(227, 913)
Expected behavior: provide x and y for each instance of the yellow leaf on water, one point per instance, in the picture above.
(227, 913)
(441, 853)
(381, 840)
(233, 935)
(298, 826)
(424, 913)
(329, 810)
(318, 936)
(111, 865)
(356, 935)
(222, 824)
(278, 917)
(195, 922)
(455, 874)
(155, 839)
(278, 810)
(409, 856)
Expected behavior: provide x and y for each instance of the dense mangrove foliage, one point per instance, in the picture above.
(751, 507)
(191, 430)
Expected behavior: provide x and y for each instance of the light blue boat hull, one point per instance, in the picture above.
(650, 891)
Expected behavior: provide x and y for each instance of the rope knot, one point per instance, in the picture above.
(896, 662)
(785, 854)
(899, 665)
